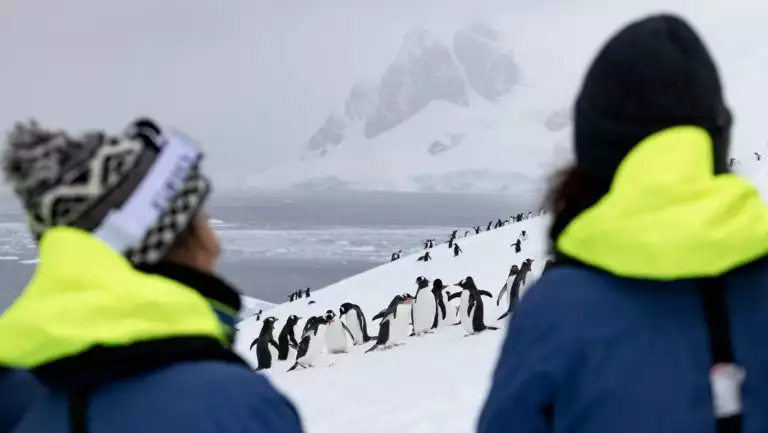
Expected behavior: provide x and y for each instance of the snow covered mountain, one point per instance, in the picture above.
(445, 116)
(433, 383)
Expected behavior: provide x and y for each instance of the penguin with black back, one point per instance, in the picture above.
(514, 289)
(263, 342)
(287, 338)
(424, 308)
(393, 327)
(440, 311)
(355, 321)
(513, 271)
(311, 344)
(471, 308)
(518, 246)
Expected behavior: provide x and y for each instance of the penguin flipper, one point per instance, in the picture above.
(485, 293)
(503, 316)
(346, 328)
(274, 344)
(379, 315)
(374, 347)
(492, 328)
(255, 340)
(452, 296)
(501, 293)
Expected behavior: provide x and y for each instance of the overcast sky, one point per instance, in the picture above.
(252, 79)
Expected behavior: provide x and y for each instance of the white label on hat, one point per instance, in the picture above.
(127, 226)
(726, 381)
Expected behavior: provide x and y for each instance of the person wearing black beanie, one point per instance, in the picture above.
(646, 319)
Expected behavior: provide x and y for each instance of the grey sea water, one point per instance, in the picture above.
(276, 243)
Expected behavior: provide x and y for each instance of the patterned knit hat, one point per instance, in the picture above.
(78, 181)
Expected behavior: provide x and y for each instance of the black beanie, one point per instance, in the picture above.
(654, 74)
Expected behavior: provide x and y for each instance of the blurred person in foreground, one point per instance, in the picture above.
(652, 318)
(19, 391)
(124, 319)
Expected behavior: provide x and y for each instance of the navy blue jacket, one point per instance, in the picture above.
(590, 352)
(190, 397)
(614, 338)
(19, 390)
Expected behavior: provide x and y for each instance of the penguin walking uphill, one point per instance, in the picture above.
(471, 308)
(393, 327)
(287, 338)
(438, 290)
(514, 287)
(312, 342)
(424, 308)
(507, 287)
(355, 321)
(336, 334)
(264, 343)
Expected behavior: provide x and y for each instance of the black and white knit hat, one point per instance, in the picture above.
(78, 180)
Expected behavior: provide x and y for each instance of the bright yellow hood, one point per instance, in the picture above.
(84, 294)
(667, 216)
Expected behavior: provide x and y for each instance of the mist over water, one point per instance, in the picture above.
(275, 243)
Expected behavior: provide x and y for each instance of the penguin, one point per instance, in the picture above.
(438, 292)
(518, 283)
(311, 344)
(425, 258)
(424, 309)
(336, 334)
(355, 322)
(508, 284)
(471, 308)
(262, 343)
(517, 245)
(393, 327)
(287, 338)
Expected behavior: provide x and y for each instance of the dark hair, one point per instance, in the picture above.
(572, 191)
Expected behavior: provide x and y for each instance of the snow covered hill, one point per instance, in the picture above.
(446, 115)
(435, 383)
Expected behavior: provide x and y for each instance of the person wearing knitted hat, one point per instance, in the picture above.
(651, 317)
(124, 320)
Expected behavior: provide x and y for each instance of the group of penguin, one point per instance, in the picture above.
(406, 315)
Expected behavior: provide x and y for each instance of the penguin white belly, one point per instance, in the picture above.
(355, 328)
(466, 318)
(451, 310)
(335, 337)
(315, 348)
(507, 293)
(423, 311)
(399, 326)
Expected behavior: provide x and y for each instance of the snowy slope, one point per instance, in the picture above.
(434, 383)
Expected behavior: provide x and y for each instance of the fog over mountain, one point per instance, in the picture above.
(335, 91)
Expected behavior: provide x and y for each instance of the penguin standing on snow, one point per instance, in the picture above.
(393, 327)
(355, 321)
(311, 344)
(287, 338)
(513, 271)
(518, 282)
(518, 246)
(471, 309)
(424, 307)
(336, 334)
(263, 342)
(437, 291)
